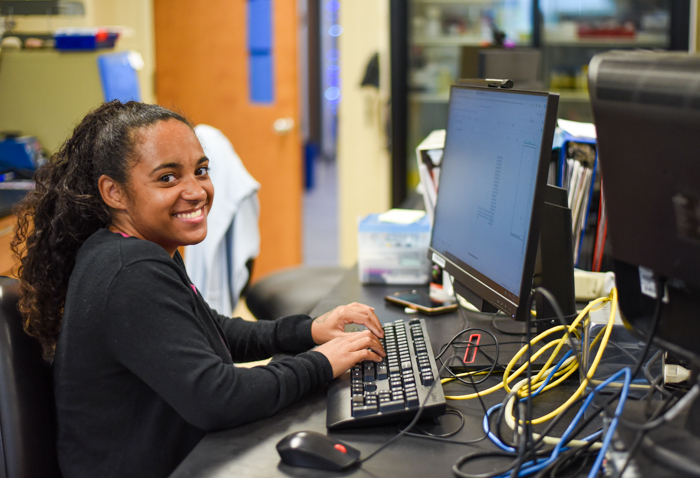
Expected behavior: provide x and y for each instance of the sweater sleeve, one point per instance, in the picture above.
(259, 340)
(151, 328)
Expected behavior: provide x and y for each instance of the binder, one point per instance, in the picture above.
(580, 180)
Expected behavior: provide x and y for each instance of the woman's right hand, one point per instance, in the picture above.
(353, 347)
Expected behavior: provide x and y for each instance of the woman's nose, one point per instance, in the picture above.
(193, 190)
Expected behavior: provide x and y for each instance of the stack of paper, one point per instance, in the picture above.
(580, 176)
(429, 157)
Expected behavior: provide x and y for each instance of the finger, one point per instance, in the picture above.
(379, 332)
(366, 354)
(366, 340)
(366, 317)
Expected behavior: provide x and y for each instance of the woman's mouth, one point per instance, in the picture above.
(193, 216)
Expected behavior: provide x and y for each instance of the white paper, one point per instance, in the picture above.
(578, 129)
(401, 216)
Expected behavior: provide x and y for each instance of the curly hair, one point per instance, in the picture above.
(66, 208)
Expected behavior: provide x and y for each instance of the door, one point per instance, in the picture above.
(202, 69)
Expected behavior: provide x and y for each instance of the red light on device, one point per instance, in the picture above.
(340, 447)
(470, 353)
(101, 35)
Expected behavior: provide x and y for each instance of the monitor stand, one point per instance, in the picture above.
(554, 269)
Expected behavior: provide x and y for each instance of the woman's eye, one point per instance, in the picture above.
(167, 178)
(202, 171)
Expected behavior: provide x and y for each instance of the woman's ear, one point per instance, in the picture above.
(111, 192)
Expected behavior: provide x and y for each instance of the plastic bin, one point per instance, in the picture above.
(392, 253)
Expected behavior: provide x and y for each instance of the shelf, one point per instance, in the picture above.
(458, 2)
(465, 40)
(573, 96)
(641, 40)
(37, 7)
(429, 97)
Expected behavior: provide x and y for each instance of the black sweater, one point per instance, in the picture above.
(144, 367)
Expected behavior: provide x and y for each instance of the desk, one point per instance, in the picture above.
(8, 199)
(249, 450)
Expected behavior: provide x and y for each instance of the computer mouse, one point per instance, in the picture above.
(316, 450)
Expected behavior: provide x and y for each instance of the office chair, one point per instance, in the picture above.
(291, 291)
(27, 408)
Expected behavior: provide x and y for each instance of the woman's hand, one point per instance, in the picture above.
(332, 324)
(350, 348)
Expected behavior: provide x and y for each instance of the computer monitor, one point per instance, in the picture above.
(646, 107)
(493, 201)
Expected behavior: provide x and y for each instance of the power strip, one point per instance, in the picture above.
(589, 285)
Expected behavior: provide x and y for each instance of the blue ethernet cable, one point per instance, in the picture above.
(527, 469)
(613, 423)
(486, 422)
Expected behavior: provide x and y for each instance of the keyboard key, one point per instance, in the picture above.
(391, 406)
(382, 371)
(363, 411)
(369, 372)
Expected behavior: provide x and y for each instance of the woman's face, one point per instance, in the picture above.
(169, 193)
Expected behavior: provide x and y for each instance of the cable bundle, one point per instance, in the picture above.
(528, 460)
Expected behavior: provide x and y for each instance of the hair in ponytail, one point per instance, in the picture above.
(66, 208)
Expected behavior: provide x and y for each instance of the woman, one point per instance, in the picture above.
(142, 366)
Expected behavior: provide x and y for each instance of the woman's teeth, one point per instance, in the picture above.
(190, 215)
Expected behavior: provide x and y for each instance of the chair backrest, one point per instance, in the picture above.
(27, 407)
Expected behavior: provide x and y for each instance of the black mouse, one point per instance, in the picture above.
(316, 450)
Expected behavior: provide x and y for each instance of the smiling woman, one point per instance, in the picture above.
(169, 195)
(143, 367)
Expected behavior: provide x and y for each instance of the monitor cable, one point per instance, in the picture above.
(640, 361)
(641, 434)
(444, 437)
(446, 347)
(647, 373)
(534, 466)
(410, 426)
(584, 382)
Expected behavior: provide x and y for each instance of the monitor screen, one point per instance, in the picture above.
(494, 168)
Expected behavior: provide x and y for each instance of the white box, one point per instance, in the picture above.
(392, 253)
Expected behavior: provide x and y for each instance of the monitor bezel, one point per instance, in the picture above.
(472, 279)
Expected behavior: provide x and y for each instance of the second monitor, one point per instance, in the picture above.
(495, 211)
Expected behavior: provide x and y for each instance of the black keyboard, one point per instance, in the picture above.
(372, 393)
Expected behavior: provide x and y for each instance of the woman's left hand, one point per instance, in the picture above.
(332, 324)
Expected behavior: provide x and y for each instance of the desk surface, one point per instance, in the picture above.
(250, 451)
(9, 198)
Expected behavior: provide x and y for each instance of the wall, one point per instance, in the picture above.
(364, 165)
(135, 15)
